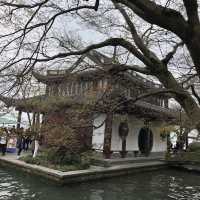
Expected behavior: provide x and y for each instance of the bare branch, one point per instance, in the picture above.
(4, 3)
(138, 41)
(170, 55)
(147, 94)
(195, 93)
(192, 12)
(159, 15)
(116, 68)
(109, 42)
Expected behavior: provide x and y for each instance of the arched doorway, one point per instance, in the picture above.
(145, 140)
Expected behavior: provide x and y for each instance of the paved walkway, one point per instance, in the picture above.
(13, 156)
(94, 172)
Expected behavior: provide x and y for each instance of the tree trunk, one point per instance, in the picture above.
(193, 45)
(19, 119)
(108, 136)
(182, 97)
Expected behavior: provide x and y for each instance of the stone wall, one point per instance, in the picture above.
(69, 128)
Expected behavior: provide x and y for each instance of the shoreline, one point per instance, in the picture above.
(92, 173)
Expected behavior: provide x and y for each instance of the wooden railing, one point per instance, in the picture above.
(91, 87)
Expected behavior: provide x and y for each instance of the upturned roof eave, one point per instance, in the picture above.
(140, 108)
(46, 79)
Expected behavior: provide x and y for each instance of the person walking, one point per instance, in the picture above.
(27, 139)
(13, 131)
(3, 141)
(20, 142)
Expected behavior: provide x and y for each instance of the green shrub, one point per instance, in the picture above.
(29, 159)
(193, 147)
(86, 159)
(67, 158)
(62, 157)
(75, 158)
(58, 159)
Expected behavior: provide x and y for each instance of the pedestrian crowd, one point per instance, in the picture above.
(19, 139)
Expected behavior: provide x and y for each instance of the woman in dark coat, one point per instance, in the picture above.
(20, 141)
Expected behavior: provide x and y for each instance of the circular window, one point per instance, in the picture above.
(145, 140)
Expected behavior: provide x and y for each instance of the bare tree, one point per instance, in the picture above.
(29, 40)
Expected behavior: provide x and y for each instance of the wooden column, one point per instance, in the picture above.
(33, 122)
(43, 118)
(166, 103)
(108, 136)
(37, 121)
(186, 137)
(19, 118)
(29, 119)
(123, 133)
(123, 152)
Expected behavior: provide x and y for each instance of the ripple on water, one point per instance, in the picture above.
(160, 185)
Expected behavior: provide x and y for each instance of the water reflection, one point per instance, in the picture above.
(165, 185)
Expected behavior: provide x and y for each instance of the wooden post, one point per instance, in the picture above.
(37, 121)
(123, 152)
(123, 133)
(108, 136)
(19, 119)
(166, 103)
(43, 118)
(29, 119)
(33, 122)
(186, 138)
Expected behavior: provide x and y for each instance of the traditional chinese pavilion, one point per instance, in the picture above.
(94, 109)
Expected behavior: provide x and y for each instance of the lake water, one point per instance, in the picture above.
(157, 185)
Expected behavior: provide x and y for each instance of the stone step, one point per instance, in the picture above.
(123, 161)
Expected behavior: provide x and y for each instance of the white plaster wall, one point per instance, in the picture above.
(116, 143)
(134, 128)
(159, 145)
(98, 134)
(132, 139)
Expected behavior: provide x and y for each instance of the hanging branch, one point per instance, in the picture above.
(170, 55)
(195, 93)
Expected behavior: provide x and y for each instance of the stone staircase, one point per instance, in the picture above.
(125, 161)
